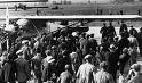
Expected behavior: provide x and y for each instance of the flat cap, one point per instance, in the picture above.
(19, 51)
(67, 66)
(25, 41)
(88, 57)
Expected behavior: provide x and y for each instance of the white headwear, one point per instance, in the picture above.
(19, 51)
(22, 22)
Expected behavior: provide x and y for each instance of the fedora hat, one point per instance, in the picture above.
(112, 47)
(88, 57)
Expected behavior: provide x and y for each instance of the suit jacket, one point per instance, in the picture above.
(104, 31)
(27, 53)
(92, 44)
(83, 46)
(22, 69)
(36, 65)
(139, 39)
(86, 73)
(123, 27)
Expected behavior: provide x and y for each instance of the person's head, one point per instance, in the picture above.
(38, 53)
(43, 35)
(91, 35)
(58, 28)
(67, 67)
(110, 24)
(112, 47)
(34, 51)
(65, 53)
(104, 66)
(25, 43)
(116, 38)
(54, 47)
(38, 39)
(136, 68)
(131, 36)
(48, 52)
(19, 53)
(125, 50)
(104, 24)
(87, 37)
(89, 58)
(75, 34)
(74, 49)
(19, 34)
(38, 50)
(132, 28)
(104, 39)
(83, 35)
(62, 38)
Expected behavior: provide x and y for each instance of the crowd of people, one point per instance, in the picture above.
(61, 57)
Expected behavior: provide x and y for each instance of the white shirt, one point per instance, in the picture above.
(74, 56)
(85, 71)
(103, 77)
(47, 60)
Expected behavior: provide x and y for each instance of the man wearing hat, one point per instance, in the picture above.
(83, 45)
(111, 31)
(112, 60)
(3, 67)
(61, 62)
(139, 38)
(66, 76)
(123, 28)
(55, 52)
(103, 76)
(36, 66)
(22, 68)
(123, 43)
(123, 59)
(92, 45)
(137, 78)
(104, 30)
(26, 49)
(47, 64)
(86, 71)
(133, 31)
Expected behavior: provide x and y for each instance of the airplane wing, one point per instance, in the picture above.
(77, 17)
(5, 1)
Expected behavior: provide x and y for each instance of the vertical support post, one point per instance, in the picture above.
(7, 16)
(7, 42)
(7, 24)
(0, 47)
